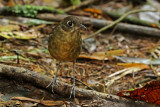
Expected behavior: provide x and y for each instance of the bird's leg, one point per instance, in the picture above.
(73, 85)
(53, 82)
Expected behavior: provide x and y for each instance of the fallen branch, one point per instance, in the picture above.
(137, 21)
(63, 89)
(86, 2)
(116, 22)
(130, 28)
(21, 74)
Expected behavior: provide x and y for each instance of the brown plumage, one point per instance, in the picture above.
(65, 43)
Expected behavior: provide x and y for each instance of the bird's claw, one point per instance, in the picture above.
(52, 84)
(72, 91)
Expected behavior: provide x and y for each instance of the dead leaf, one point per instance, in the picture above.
(11, 103)
(52, 103)
(103, 55)
(93, 10)
(112, 53)
(95, 56)
(44, 102)
(149, 93)
(140, 65)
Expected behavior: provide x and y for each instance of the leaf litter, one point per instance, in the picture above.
(109, 76)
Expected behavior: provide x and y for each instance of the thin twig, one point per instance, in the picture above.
(114, 29)
(153, 67)
(117, 21)
(80, 82)
(143, 81)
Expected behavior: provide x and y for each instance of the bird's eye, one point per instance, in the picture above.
(70, 23)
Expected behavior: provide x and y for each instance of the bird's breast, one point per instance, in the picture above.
(66, 46)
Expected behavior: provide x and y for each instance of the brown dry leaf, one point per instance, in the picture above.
(22, 35)
(148, 93)
(11, 3)
(44, 102)
(36, 28)
(103, 55)
(95, 56)
(118, 52)
(139, 65)
(153, 25)
(98, 87)
(11, 103)
(33, 54)
(39, 69)
(93, 10)
(76, 100)
(52, 103)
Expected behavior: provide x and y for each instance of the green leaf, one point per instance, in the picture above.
(11, 58)
(75, 2)
(31, 10)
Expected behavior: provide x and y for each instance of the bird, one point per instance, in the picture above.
(65, 43)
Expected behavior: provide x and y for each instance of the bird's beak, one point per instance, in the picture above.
(82, 27)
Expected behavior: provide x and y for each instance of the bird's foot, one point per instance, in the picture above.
(52, 83)
(72, 91)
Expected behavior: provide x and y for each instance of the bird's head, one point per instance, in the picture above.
(71, 24)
